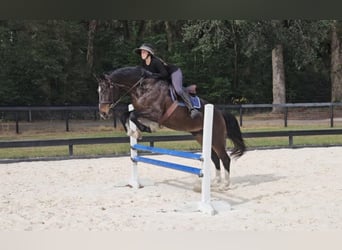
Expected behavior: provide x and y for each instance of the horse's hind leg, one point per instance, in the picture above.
(216, 161)
(221, 153)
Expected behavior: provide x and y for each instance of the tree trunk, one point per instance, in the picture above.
(169, 35)
(236, 53)
(336, 65)
(279, 91)
(126, 30)
(141, 31)
(90, 51)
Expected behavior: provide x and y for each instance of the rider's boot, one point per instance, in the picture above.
(186, 98)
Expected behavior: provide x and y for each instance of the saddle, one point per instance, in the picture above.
(196, 102)
(191, 90)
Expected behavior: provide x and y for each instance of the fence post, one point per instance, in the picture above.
(114, 119)
(285, 116)
(17, 122)
(71, 149)
(291, 140)
(205, 205)
(240, 111)
(29, 118)
(331, 115)
(67, 120)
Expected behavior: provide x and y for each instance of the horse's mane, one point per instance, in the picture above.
(125, 72)
(136, 72)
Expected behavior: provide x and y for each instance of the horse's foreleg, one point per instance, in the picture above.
(124, 118)
(134, 133)
(133, 116)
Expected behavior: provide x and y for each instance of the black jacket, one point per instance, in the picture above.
(159, 69)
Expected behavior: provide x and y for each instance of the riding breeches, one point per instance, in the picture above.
(177, 81)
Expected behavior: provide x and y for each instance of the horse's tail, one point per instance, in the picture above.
(234, 134)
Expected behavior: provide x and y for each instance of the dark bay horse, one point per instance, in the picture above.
(152, 101)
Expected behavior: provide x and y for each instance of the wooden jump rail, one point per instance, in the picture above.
(292, 133)
(152, 139)
(67, 109)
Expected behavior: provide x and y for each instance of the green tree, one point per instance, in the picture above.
(247, 47)
(51, 62)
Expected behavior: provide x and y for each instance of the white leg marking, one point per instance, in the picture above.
(217, 180)
(129, 132)
(226, 183)
(137, 134)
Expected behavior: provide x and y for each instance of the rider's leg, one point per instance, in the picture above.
(177, 82)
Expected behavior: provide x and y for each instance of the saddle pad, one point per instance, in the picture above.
(195, 101)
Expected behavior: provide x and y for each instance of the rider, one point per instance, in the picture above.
(160, 69)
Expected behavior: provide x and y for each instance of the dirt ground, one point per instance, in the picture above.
(272, 190)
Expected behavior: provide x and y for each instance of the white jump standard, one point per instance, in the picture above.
(205, 158)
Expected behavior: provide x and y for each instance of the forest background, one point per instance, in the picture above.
(53, 62)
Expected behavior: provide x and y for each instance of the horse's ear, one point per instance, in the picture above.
(96, 77)
(107, 77)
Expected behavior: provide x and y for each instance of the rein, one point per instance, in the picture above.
(126, 93)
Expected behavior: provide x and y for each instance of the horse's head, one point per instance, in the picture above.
(106, 95)
(126, 79)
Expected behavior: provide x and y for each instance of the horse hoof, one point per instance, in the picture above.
(135, 134)
(224, 187)
(138, 135)
(216, 182)
(129, 133)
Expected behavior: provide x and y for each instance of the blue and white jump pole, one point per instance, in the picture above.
(205, 157)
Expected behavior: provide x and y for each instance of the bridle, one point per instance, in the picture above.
(113, 104)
